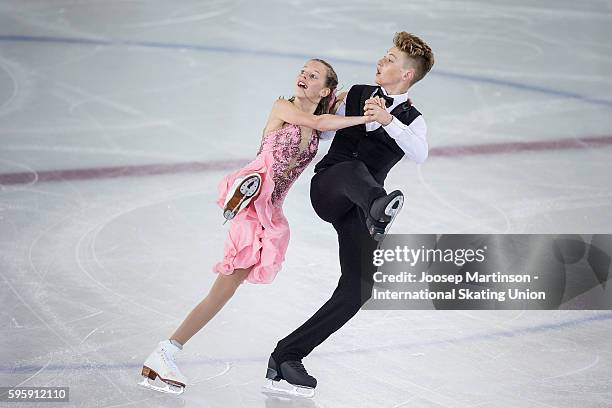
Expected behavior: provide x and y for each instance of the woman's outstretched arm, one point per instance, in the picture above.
(289, 113)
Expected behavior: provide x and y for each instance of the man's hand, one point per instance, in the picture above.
(375, 108)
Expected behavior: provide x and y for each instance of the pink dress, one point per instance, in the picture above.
(259, 235)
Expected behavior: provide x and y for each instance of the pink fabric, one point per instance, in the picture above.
(259, 234)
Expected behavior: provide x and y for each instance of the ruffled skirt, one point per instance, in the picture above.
(258, 235)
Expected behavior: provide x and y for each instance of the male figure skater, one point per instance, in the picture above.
(347, 191)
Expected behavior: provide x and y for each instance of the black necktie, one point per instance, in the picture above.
(388, 99)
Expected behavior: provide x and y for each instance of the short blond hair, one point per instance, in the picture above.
(417, 51)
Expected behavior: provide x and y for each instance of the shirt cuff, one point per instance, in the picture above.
(395, 128)
(327, 135)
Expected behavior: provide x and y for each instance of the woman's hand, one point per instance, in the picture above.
(339, 99)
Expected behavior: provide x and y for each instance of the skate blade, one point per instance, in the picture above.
(165, 388)
(394, 207)
(392, 210)
(284, 389)
(243, 192)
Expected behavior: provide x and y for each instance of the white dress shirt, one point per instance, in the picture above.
(410, 138)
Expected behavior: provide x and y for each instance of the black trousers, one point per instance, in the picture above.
(341, 195)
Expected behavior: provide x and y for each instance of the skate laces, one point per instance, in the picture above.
(169, 359)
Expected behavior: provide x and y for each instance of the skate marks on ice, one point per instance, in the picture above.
(55, 372)
(150, 380)
(247, 377)
(518, 332)
(104, 127)
(73, 343)
(453, 75)
(108, 288)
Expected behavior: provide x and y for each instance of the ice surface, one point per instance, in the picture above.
(94, 271)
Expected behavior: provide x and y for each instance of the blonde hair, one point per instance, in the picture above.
(417, 51)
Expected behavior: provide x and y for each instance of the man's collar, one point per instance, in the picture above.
(397, 99)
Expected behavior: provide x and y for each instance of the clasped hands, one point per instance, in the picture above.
(376, 111)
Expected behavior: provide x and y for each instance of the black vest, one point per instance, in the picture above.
(376, 149)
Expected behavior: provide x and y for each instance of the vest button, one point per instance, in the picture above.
(355, 154)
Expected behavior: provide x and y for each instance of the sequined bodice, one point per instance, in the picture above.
(292, 152)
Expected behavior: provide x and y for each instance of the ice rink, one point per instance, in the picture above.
(118, 118)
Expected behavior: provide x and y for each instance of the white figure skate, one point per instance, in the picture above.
(240, 195)
(160, 363)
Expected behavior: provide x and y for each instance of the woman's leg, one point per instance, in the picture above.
(222, 290)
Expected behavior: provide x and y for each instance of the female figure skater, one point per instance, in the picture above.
(252, 199)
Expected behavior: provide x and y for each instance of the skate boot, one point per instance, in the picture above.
(382, 213)
(240, 195)
(160, 363)
(301, 384)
